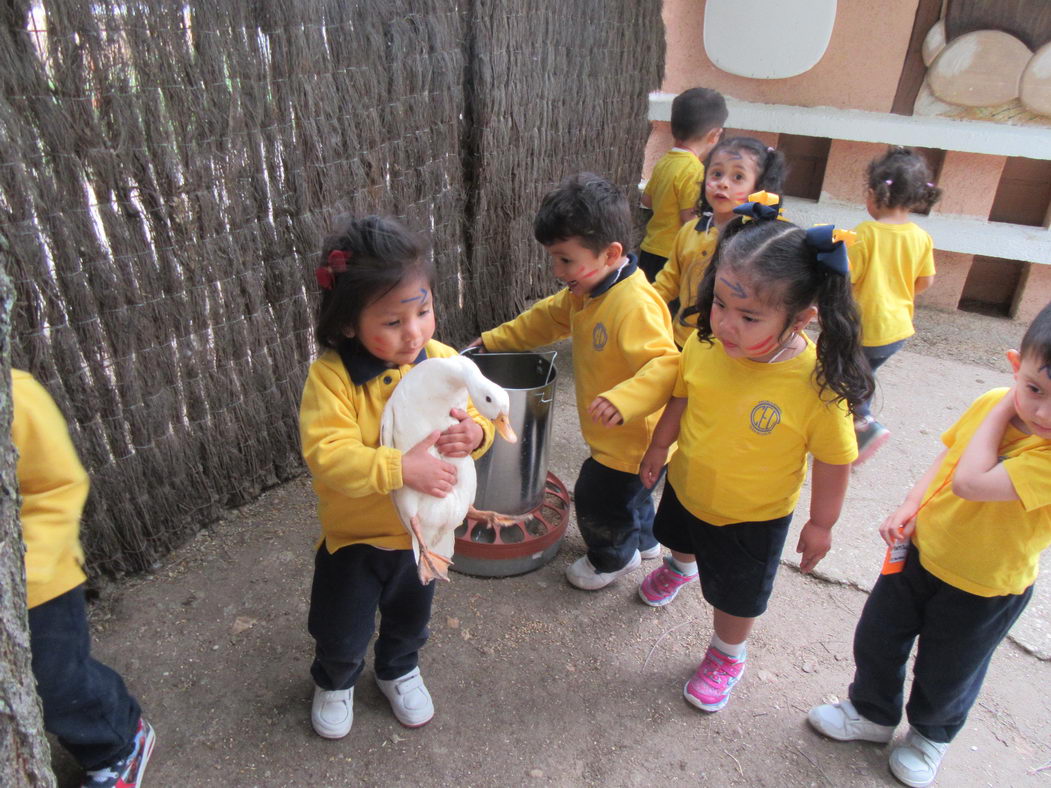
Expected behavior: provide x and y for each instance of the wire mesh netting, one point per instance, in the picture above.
(167, 171)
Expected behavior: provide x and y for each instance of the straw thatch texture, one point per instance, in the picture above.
(556, 88)
(167, 171)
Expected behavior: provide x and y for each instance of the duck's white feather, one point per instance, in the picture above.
(420, 405)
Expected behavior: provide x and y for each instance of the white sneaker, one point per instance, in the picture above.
(651, 553)
(841, 721)
(916, 760)
(332, 712)
(583, 575)
(409, 699)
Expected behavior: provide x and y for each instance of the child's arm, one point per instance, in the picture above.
(664, 435)
(902, 522)
(545, 322)
(647, 201)
(828, 489)
(647, 347)
(980, 474)
(667, 282)
(922, 283)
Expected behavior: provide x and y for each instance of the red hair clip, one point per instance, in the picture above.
(337, 264)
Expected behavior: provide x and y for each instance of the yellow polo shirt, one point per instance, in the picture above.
(885, 262)
(680, 277)
(746, 432)
(674, 186)
(988, 548)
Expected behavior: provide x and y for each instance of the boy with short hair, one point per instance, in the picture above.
(86, 704)
(624, 362)
(674, 188)
(978, 519)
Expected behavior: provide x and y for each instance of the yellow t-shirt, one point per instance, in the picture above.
(674, 186)
(54, 487)
(679, 278)
(353, 476)
(988, 548)
(746, 432)
(885, 262)
(622, 350)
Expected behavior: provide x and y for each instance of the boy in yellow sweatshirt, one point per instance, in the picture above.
(674, 188)
(86, 704)
(624, 363)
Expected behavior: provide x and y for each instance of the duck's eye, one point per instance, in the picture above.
(488, 398)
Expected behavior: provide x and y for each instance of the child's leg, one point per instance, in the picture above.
(671, 527)
(651, 264)
(86, 704)
(606, 502)
(883, 637)
(405, 611)
(959, 635)
(343, 601)
(877, 356)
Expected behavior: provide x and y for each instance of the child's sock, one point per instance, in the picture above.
(735, 650)
(684, 568)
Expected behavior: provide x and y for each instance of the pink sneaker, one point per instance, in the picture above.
(709, 689)
(663, 583)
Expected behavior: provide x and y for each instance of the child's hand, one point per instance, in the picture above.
(426, 473)
(476, 342)
(653, 462)
(462, 438)
(899, 525)
(604, 412)
(814, 543)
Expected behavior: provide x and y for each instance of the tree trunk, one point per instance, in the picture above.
(25, 758)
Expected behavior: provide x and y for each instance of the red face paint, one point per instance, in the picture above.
(588, 274)
(766, 343)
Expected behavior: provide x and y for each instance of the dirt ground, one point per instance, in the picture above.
(535, 683)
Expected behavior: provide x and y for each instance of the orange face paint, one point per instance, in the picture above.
(765, 344)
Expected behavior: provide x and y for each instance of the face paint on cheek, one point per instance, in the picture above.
(588, 274)
(766, 344)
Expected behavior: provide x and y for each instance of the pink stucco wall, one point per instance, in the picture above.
(860, 68)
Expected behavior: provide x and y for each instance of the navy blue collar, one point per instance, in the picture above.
(705, 222)
(619, 275)
(362, 366)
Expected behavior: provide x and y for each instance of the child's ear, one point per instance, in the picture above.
(614, 252)
(803, 318)
(348, 332)
(1015, 358)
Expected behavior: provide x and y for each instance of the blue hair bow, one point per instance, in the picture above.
(758, 211)
(831, 252)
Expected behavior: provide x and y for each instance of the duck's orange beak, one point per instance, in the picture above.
(503, 426)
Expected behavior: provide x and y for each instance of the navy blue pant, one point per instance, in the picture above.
(958, 633)
(614, 514)
(877, 356)
(651, 264)
(349, 586)
(86, 704)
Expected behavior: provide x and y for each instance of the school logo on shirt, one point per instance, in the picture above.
(765, 416)
(599, 336)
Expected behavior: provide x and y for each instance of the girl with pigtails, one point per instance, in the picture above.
(891, 263)
(754, 396)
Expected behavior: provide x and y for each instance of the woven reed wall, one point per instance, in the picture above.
(167, 171)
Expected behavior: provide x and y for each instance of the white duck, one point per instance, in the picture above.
(420, 405)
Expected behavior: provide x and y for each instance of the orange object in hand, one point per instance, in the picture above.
(894, 561)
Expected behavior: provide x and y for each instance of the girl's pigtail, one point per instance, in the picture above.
(930, 195)
(772, 176)
(841, 366)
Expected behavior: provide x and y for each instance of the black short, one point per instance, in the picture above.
(651, 264)
(737, 562)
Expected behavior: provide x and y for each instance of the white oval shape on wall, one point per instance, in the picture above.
(767, 39)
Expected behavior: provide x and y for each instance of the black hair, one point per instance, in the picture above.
(1037, 340)
(587, 207)
(901, 178)
(770, 166)
(785, 270)
(382, 253)
(697, 111)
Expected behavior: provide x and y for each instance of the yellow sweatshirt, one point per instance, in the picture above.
(339, 427)
(622, 350)
(681, 275)
(53, 485)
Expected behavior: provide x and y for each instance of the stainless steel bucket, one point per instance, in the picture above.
(511, 476)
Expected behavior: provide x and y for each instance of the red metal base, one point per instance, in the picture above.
(528, 534)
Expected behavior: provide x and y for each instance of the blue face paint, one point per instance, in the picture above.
(735, 287)
(421, 297)
(1046, 369)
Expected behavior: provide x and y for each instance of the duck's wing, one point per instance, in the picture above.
(387, 425)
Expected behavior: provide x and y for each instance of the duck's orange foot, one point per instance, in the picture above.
(494, 520)
(433, 566)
